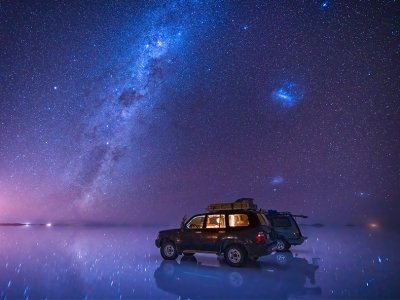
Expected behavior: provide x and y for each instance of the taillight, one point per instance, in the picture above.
(260, 238)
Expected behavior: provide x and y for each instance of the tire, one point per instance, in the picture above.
(282, 245)
(235, 280)
(168, 267)
(168, 251)
(235, 255)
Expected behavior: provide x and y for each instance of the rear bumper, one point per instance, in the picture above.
(271, 247)
(257, 250)
(297, 241)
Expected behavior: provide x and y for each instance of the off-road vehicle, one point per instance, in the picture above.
(285, 230)
(237, 230)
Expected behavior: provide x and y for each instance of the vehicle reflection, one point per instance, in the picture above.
(280, 276)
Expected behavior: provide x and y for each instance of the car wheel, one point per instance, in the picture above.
(281, 245)
(236, 280)
(235, 255)
(168, 251)
(168, 268)
(283, 258)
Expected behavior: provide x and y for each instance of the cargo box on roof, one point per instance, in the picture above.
(242, 203)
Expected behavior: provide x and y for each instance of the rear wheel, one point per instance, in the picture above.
(282, 245)
(283, 258)
(167, 267)
(168, 251)
(235, 255)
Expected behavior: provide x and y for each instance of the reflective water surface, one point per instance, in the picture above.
(123, 262)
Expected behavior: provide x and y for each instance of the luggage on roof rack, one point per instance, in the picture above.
(242, 203)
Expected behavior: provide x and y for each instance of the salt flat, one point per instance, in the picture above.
(122, 262)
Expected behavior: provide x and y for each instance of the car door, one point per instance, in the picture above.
(191, 233)
(215, 226)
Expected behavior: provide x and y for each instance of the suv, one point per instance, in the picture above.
(285, 231)
(236, 230)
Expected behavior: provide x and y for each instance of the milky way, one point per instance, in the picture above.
(136, 90)
(140, 112)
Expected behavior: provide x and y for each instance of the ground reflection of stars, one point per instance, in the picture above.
(277, 180)
(361, 194)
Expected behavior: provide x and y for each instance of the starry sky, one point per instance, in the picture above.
(141, 112)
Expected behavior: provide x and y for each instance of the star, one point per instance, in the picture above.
(324, 5)
(245, 27)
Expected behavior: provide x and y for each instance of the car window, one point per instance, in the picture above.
(263, 219)
(238, 220)
(280, 222)
(215, 221)
(196, 222)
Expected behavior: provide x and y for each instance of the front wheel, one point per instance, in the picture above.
(235, 255)
(168, 251)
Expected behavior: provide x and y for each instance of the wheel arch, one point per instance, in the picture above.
(227, 242)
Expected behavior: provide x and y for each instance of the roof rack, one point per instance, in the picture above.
(242, 203)
(275, 212)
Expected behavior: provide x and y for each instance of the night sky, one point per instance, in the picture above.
(141, 112)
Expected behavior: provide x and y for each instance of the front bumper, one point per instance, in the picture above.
(158, 242)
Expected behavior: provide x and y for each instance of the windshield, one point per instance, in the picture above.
(196, 222)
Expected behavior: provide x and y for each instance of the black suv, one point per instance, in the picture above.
(285, 230)
(236, 230)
